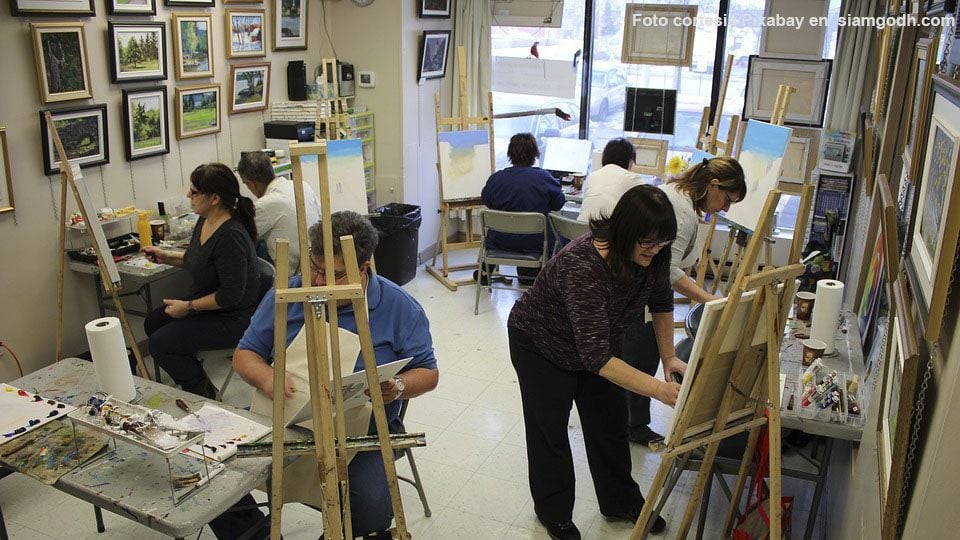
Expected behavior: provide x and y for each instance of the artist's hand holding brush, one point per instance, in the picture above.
(163, 256)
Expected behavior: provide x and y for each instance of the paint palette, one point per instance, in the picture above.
(22, 411)
(223, 431)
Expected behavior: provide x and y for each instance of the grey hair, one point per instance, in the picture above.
(256, 167)
(345, 223)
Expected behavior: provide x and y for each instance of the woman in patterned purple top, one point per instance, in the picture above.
(566, 336)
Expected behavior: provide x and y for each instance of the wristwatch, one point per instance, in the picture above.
(190, 308)
(400, 386)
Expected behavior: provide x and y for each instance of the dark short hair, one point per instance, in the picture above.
(643, 213)
(523, 151)
(255, 167)
(346, 223)
(620, 152)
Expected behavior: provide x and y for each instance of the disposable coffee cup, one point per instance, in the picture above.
(812, 349)
(156, 230)
(804, 305)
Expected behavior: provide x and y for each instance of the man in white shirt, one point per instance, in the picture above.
(603, 188)
(276, 215)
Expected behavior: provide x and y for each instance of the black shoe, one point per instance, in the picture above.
(659, 525)
(561, 530)
(204, 388)
(483, 282)
(643, 435)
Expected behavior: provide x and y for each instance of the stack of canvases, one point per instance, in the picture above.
(138, 54)
(905, 285)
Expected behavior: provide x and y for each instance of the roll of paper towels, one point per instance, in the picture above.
(826, 312)
(109, 352)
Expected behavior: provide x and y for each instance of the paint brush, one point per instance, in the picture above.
(186, 408)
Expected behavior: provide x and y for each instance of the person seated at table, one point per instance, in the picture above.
(603, 188)
(276, 214)
(222, 262)
(522, 188)
(399, 329)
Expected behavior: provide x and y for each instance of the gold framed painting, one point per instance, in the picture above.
(6, 185)
(249, 87)
(934, 242)
(192, 45)
(651, 155)
(924, 63)
(658, 34)
(60, 52)
(198, 110)
(245, 33)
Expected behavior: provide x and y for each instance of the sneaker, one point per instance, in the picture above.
(659, 525)
(561, 530)
(643, 435)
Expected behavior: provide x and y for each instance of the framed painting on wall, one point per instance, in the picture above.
(192, 45)
(190, 3)
(60, 52)
(807, 104)
(802, 42)
(669, 44)
(433, 9)
(138, 51)
(651, 155)
(145, 122)
(83, 132)
(289, 24)
(249, 87)
(6, 185)
(245, 33)
(800, 159)
(52, 8)
(198, 110)
(132, 7)
(924, 63)
(433, 54)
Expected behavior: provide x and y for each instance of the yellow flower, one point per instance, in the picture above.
(675, 166)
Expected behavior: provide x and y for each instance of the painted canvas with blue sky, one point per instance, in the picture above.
(464, 163)
(761, 157)
(348, 185)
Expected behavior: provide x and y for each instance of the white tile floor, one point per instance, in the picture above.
(473, 468)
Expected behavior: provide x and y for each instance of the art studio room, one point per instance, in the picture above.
(599, 269)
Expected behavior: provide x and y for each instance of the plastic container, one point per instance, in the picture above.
(396, 254)
(143, 229)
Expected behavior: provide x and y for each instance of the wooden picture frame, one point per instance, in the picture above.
(924, 64)
(84, 134)
(880, 263)
(433, 9)
(132, 7)
(934, 242)
(434, 51)
(651, 155)
(52, 8)
(810, 78)
(146, 45)
(245, 33)
(190, 3)
(868, 152)
(789, 42)
(145, 122)
(899, 391)
(669, 42)
(198, 110)
(289, 24)
(199, 62)
(940, 7)
(63, 67)
(801, 157)
(249, 87)
(6, 185)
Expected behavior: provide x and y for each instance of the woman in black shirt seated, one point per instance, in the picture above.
(222, 262)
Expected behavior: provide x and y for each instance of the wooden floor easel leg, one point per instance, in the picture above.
(741, 481)
(773, 420)
(128, 330)
(722, 263)
(63, 262)
(279, 380)
(646, 513)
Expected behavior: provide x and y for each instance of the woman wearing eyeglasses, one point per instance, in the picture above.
(222, 262)
(707, 187)
(566, 335)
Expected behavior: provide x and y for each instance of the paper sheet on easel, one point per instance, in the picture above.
(91, 212)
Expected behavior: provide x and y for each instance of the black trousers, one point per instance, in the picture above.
(640, 350)
(548, 394)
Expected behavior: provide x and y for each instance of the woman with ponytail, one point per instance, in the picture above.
(224, 293)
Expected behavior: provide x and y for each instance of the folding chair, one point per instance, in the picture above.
(511, 223)
(408, 452)
(565, 228)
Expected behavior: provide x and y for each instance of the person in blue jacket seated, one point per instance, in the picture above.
(522, 188)
(399, 329)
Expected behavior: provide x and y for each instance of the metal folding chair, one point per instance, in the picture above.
(511, 223)
(565, 228)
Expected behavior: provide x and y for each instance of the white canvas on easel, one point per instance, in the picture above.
(90, 210)
(761, 157)
(464, 163)
(348, 183)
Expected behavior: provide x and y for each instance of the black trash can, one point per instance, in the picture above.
(396, 254)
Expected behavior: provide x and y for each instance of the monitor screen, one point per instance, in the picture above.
(567, 155)
(650, 110)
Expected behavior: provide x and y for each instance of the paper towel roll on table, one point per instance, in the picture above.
(109, 352)
(826, 312)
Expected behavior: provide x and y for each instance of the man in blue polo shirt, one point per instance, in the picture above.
(399, 328)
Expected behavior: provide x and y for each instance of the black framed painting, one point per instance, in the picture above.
(138, 51)
(434, 45)
(52, 8)
(433, 9)
(145, 124)
(83, 132)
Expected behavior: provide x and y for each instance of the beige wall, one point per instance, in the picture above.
(29, 258)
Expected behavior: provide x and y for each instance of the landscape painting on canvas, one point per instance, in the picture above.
(348, 184)
(761, 157)
(464, 163)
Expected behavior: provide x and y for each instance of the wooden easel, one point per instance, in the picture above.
(754, 382)
(67, 177)
(332, 113)
(784, 93)
(707, 137)
(330, 447)
(444, 247)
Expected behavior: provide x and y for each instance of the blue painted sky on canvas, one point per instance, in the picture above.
(765, 139)
(462, 139)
